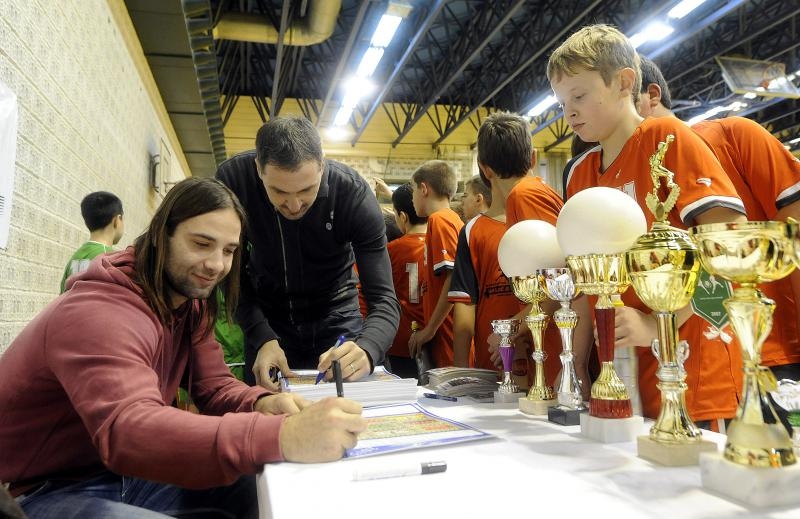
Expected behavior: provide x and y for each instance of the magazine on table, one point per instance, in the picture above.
(395, 428)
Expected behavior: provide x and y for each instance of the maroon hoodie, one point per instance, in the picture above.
(90, 380)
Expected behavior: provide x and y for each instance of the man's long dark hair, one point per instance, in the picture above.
(187, 199)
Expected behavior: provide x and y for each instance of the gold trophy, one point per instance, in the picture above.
(746, 254)
(604, 275)
(527, 246)
(664, 267)
(540, 396)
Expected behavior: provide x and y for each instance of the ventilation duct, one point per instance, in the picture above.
(316, 27)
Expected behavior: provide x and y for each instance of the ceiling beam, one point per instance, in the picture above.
(276, 76)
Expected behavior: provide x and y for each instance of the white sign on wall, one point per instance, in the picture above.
(8, 147)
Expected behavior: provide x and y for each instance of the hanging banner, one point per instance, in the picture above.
(8, 146)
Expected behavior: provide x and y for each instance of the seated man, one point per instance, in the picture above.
(86, 426)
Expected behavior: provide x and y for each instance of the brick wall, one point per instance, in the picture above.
(86, 123)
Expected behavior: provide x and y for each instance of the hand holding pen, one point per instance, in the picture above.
(352, 359)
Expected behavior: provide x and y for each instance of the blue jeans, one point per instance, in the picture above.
(110, 496)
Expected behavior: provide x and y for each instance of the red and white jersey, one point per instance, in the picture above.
(407, 255)
(532, 199)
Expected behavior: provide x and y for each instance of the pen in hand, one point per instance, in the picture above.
(337, 377)
(321, 374)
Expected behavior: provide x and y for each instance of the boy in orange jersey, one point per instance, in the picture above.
(767, 178)
(505, 157)
(434, 184)
(407, 256)
(479, 291)
(596, 77)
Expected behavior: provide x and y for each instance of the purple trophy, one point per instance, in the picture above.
(505, 328)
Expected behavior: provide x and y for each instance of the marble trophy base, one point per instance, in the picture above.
(611, 430)
(564, 415)
(673, 455)
(536, 407)
(755, 486)
(507, 398)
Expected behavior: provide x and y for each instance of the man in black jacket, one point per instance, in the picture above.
(309, 220)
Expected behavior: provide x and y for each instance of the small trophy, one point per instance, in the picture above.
(787, 395)
(526, 247)
(508, 391)
(559, 286)
(664, 267)
(540, 396)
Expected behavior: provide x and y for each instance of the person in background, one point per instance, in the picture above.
(102, 214)
(477, 198)
(434, 184)
(93, 433)
(407, 255)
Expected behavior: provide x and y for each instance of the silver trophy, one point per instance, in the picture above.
(559, 286)
(505, 328)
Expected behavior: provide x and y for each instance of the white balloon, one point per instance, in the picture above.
(599, 220)
(527, 246)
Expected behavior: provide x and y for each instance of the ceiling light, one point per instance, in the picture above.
(385, 30)
(683, 8)
(795, 141)
(337, 133)
(733, 107)
(750, 95)
(369, 62)
(343, 116)
(655, 31)
(541, 106)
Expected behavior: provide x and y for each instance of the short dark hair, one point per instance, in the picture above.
(439, 176)
(189, 198)
(652, 74)
(504, 144)
(99, 209)
(287, 142)
(479, 187)
(403, 200)
(392, 230)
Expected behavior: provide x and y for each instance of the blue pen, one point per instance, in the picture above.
(321, 374)
(440, 397)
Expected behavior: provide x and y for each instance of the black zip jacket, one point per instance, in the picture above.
(297, 271)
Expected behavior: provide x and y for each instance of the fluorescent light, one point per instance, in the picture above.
(794, 141)
(542, 105)
(369, 62)
(337, 133)
(683, 8)
(733, 107)
(654, 31)
(750, 95)
(385, 30)
(343, 116)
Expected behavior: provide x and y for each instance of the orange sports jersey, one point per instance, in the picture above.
(477, 280)
(532, 199)
(407, 254)
(440, 251)
(714, 371)
(767, 178)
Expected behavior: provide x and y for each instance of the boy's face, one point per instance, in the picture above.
(471, 204)
(418, 198)
(591, 107)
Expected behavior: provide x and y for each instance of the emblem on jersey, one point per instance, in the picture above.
(629, 188)
(704, 180)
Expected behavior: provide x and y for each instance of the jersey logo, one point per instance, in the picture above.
(704, 180)
(629, 188)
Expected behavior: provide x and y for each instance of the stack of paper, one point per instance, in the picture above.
(380, 388)
(437, 376)
(465, 386)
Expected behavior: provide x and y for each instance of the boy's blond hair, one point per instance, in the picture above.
(601, 48)
(439, 177)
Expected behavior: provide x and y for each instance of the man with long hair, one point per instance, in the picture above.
(86, 425)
